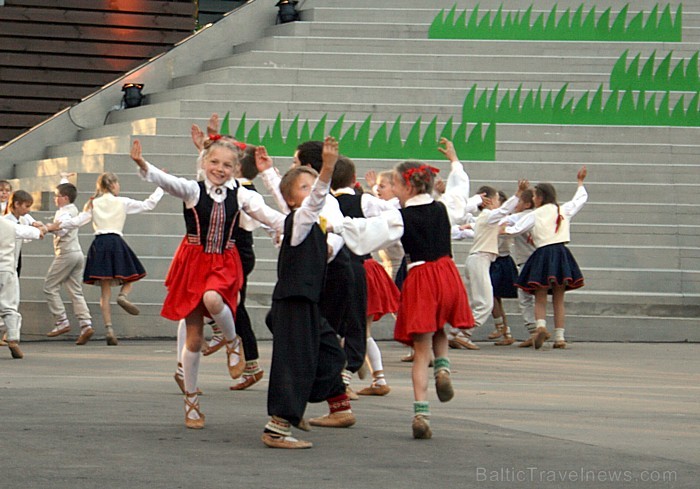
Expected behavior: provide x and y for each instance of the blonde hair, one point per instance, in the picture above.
(290, 178)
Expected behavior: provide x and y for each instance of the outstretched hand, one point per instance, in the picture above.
(197, 137)
(137, 156)
(581, 175)
(523, 184)
(448, 150)
(213, 125)
(371, 178)
(263, 161)
(329, 156)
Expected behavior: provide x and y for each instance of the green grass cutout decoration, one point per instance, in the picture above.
(683, 78)
(356, 142)
(554, 27)
(620, 108)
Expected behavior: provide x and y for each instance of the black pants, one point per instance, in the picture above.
(244, 327)
(306, 359)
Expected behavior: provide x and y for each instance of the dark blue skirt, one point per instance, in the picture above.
(110, 258)
(504, 274)
(550, 265)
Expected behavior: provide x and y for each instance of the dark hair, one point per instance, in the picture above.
(67, 190)
(502, 196)
(418, 175)
(248, 168)
(310, 153)
(343, 174)
(489, 191)
(526, 197)
(19, 197)
(548, 195)
(546, 192)
(291, 176)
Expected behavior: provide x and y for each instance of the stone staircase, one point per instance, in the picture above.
(636, 239)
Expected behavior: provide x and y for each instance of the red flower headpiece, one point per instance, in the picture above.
(237, 144)
(425, 171)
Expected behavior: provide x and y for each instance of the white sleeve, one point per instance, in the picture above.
(75, 222)
(271, 179)
(571, 208)
(458, 180)
(24, 231)
(524, 224)
(508, 206)
(182, 188)
(363, 236)
(460, 234)
(253, 204)
(307, 215)
(373, 206)
(133, 206)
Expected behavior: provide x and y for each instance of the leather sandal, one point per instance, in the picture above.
(235, 347)
(194, 424)
(248, 380)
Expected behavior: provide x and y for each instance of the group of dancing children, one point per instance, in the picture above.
(329, 289)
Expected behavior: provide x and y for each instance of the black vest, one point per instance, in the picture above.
(426, 235)
(197, 221)
(301, 269)
(351, 206)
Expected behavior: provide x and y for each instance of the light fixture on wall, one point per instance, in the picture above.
(132, 95)
(287, 12)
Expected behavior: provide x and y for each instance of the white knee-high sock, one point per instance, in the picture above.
(225, 321)
(374, 355)
(181, 335)
(190, 364)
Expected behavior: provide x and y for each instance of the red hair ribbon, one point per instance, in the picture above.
(424, 170)
(237, 144)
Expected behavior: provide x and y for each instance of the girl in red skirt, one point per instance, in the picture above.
(433, 293)
(205, 276)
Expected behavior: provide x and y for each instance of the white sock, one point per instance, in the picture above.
(507, 333)
(559, 334)
(541, 323)
(190, 367)
(181, 335)
(374, 355)
(225, 321)
(498, 321)
(380, 380)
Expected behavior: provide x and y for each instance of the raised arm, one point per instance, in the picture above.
(571, 208)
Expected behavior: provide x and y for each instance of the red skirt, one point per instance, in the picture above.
(432, 294)
(193, 272)
(382, 293)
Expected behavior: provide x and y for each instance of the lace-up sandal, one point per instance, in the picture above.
(235, 358)
(193, 405)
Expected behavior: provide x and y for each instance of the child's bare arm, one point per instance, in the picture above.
(330, 157)
(581, 175)
(137, 155)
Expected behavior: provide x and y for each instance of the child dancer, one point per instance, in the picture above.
(382, 293)
(205, 275)
(18, 207)
(433, 293)
(67, 269)
(11, 319)
(522, 250)
(306, 357)
(110, 261)
(342, 300)
(551, 267)
(503, 274)
(484, 251)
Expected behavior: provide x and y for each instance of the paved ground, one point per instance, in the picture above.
(597, 415)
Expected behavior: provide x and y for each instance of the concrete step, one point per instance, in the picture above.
(390, 77)
(339, 44)
(367, 59)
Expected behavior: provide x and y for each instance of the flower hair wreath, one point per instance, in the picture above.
(425, 172)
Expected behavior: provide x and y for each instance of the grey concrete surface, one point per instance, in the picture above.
(596, 415)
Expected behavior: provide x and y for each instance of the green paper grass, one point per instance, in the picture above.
(568, 26)
(471, 143)
(683, 77)
(627, 108)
